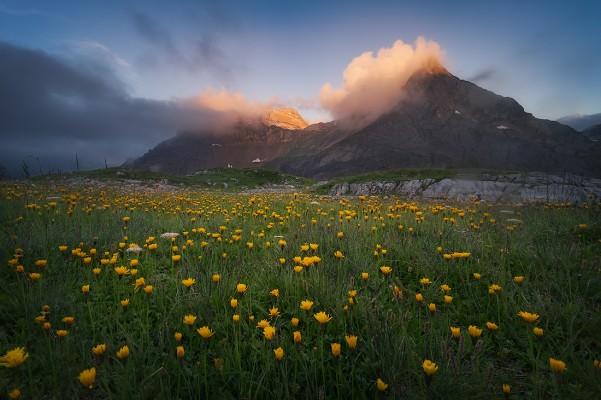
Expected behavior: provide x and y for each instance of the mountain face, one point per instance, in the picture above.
(441, 121)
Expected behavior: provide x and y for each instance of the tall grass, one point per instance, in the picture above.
(237, 237)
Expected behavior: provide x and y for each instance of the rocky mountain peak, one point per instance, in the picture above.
(286, 118)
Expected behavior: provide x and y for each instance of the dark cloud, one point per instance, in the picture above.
(200, 52)
(484, 75)
(53, 109)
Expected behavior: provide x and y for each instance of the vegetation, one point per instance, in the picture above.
(108, 293)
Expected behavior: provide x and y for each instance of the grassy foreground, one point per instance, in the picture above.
(294, 296)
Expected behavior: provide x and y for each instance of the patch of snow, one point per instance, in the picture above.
(457, 112)
(256, 160)
(502, 127)
(216, 144)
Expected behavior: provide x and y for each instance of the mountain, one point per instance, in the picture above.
(440, 121)
(593, 132)
(581, 122)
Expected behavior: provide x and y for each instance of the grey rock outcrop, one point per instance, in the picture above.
(533, 187)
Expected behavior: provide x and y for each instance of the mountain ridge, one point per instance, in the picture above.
(440, 121)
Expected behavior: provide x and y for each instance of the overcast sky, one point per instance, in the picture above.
(111, 79)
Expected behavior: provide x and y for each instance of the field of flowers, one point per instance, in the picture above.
(195, 294)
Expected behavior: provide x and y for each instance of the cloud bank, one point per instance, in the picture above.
(54, 109)
(373, 84)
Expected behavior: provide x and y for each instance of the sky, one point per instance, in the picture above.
(105, 81)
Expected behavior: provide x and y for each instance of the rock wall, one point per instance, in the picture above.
(536, 187)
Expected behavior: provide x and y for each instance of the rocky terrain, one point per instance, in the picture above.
(509, 188)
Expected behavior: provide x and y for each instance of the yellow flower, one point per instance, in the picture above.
(518, 279)
(298, 268)
(528, 317)
(294, 321)
(314, 246)
(340, 235)
(351, 340)
(269, 332)
(14, 358)
(305, 247)
(477, 275)
(34, 276)
(381, 385)
(122, 270)
(188, 282)
(85, 289)
(178, 336)
(494, 289)
(385, 269)
(216, 278)
(474, 331)
(125, 303)
(538, 331)
(189, 320)
(492, 326)
(506, 388)
(338, 254)
(335, 349)
(419, 297)
(139, 282)
(456, 332)
(14, 394)
(425, 281)
(306, 305)
(87, 377)
(96, 271)
(234, 303)
(134, 263)
(62, 248)
(123, 352)
(279, 353)
(445, 288)
(241, 288)
(273, 312)
(262, 324)
(364, 276)
(322, 317)
(180, 352)
(62, 333)
(205, 332)
(429, 367)
(448, 299)
(275, 292)
(296, 336)
(557, 365)
(236, 318)
(148, 289)
(432, 307)
(99, 349)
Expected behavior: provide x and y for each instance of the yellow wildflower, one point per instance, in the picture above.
(381, 385)
(322, 317)
(87, 377)
(123, 352)
(557, 365)
(528, 317)
(278, 353)
(306, 305)
(14, 358)
(205, 332)
(429, 367)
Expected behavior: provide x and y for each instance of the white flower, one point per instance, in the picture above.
(169, 235)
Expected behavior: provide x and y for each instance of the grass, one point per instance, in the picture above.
(237, 237)
(234, 179)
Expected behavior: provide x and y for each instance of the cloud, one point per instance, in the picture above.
(56, 108)
(373, 84)
(484, 75)
(198, 52)
(581, 122)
